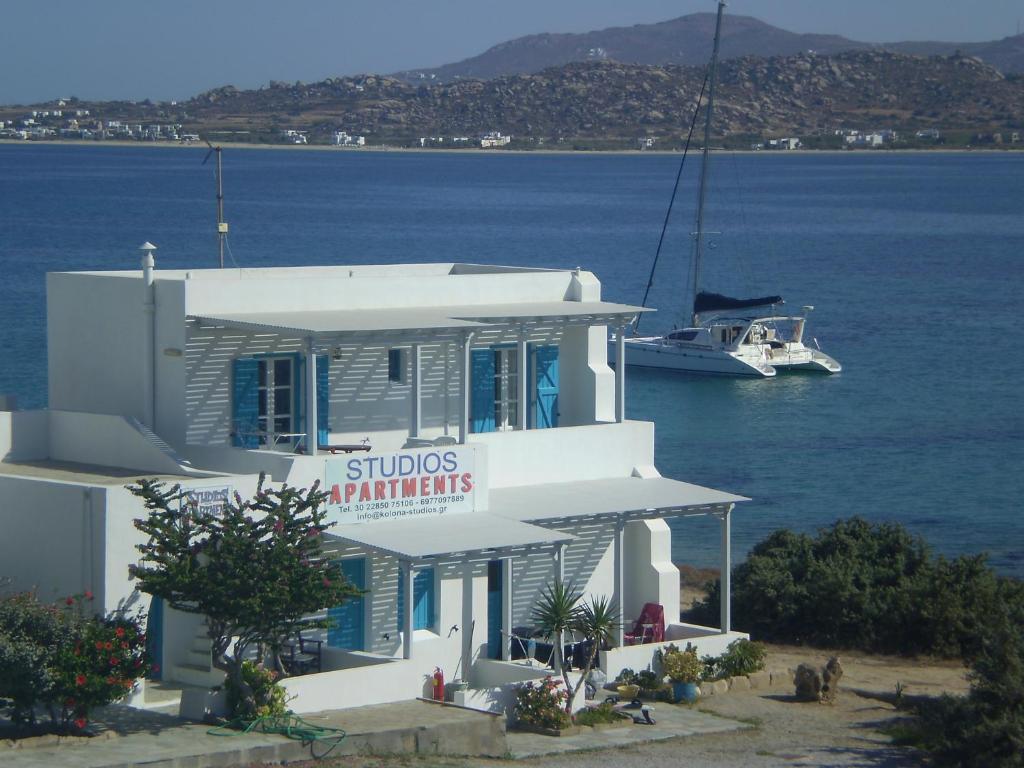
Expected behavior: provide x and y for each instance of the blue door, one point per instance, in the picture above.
(323, 400)
(245, 403)
(346, 630)
(423, 599)
(494, 600)
(545, 412)
(482, 401)
(155, 636)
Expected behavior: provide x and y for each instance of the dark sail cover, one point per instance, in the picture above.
(712, 302)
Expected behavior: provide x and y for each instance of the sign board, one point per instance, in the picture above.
(370, 488)
(209, 500)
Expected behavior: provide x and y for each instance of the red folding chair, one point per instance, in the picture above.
(649, 627)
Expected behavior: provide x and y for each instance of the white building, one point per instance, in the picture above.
(494, 139)
(489, 455)
(343, 139)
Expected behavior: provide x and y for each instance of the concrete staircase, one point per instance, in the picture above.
(197, 668)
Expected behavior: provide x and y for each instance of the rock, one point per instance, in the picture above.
(759, 680)
(714, 688)
(739, 683)
(812, 685)
(831, 676)
(808, 683)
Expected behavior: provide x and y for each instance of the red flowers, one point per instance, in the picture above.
(119, 631)
(327, 582)
(99, 645)
(80, 680)
(108, 646)
(114, 661)
(80, 722)
(88, 594)
(69, 601)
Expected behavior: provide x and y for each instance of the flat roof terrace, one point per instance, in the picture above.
(86, 474)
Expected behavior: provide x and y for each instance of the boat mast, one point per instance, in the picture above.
(705, 158)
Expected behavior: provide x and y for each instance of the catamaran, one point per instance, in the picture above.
(738, 337)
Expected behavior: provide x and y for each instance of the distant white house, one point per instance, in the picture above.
(343, 139)
(787, 143)
(645, 142)
(494, 139)
(294, 137)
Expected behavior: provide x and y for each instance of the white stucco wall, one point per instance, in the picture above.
(24, 435)
(53, 539)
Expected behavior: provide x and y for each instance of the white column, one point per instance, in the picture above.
(416, 420)
(620, 582)
(521, 348)
(149, 341)
(620, 374)
(506, 608)
(466, 393)
(725, 598)
(405, 574)
(311, 415)
(560, 563)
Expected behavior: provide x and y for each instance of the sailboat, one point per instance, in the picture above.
(737, 337)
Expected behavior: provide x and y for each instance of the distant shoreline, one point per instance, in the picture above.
(498, 152)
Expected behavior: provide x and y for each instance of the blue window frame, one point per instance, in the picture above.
(423, 607)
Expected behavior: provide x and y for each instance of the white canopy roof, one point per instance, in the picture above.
(418, 318)
(617, 496)
(447, 534)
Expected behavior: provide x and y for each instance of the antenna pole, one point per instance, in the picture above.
(222, 228)
(702, 194)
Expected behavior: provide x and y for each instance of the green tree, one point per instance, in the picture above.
(255, 570)
(561, 610)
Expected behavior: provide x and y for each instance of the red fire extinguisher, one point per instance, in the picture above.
(438, 684)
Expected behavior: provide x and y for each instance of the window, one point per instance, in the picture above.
(396, 366)
(423, 599)
(506, 389)
(275, 398)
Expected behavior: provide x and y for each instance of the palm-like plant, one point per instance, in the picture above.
(560, 610)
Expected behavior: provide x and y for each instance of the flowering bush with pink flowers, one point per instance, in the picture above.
(542, 703)
(64, 659)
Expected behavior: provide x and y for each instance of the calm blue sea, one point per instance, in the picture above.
(913, 262)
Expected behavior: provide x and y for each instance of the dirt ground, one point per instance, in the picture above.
(784, 732)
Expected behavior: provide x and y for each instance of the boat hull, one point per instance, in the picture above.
(656, 353)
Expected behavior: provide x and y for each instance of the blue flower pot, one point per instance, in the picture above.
(684, 692)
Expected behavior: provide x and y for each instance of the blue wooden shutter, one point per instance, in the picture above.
(346, 630)
(494, 600)
(245, 402)
(323, 400)
(546, 366)
(423, 599)
(155, 636)
(482, 388)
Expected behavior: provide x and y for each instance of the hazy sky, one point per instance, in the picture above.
(173, 49)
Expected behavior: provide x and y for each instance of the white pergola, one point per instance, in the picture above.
(622, 500)
(414, 542)
(431, 325)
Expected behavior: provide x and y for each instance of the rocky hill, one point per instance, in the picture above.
(802, 94)
(687, 41)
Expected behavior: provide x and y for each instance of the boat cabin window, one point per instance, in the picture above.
(683, 335)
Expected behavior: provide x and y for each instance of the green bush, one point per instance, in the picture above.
(602, 714)
(985, 729)
(271, 700)
(682, 666)
(541, 703)
(858, 585)
(58, 657)
(742, 657)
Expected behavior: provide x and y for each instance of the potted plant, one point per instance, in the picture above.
(684, 669)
